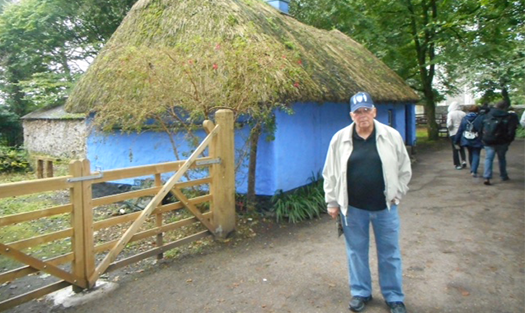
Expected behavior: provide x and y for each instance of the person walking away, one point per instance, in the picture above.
(469, 136)
(497, 132)
(366, 174)
(522, 120)
(454, 117)
(484, 109)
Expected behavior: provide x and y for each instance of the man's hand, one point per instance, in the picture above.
(333, 212)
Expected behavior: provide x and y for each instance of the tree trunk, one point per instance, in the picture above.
(252, 166)
(430, 113)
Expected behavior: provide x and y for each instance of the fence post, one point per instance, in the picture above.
(77, 222)
(158, 219)
(223, 179)
(39, 168)
(87, 206)
(49, 168)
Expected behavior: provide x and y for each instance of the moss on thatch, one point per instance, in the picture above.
(203, 54)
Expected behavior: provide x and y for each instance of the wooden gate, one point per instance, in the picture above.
(83, 265)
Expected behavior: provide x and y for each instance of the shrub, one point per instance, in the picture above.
(13, 160)
(520, 132)
(300, 204)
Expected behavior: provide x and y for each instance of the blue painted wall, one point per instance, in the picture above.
(295, 156)
(282, 5)
(120, 150)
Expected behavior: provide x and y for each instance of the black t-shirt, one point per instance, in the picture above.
(364, 175)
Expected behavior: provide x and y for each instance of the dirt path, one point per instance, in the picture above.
(463, 247)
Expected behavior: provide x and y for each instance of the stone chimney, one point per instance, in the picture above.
(283, 5)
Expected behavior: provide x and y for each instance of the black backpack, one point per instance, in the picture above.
(495, 130)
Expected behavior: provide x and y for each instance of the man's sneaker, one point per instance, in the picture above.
(357, 304)
(464, 164)
(397, 307)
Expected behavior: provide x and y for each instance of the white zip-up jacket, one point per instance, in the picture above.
(454, 117)
(394, 158)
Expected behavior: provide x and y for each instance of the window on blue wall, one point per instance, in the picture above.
(391, 118)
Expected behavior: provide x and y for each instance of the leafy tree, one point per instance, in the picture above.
(494, 50)
(45, 45)
(3, 3)
(423, 40)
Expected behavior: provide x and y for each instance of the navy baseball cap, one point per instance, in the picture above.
(361, 100)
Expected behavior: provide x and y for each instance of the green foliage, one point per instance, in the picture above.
(47, 89)
(494, 51)
(42, 44)
(34, 228)
(477, 41)
(303, 203)
(13, 160)
(520, 132)
(10, 128)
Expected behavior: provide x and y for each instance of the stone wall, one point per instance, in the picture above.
(56, 137)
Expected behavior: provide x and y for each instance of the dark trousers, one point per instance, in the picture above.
(457, 152)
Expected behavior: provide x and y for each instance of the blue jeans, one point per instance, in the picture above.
(490, 153)
(473, 157)
(356, 228)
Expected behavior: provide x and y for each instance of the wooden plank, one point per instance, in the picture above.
(145, 170)
(132, 216)
(35, 294)
(152, 232)
(179, 205)
(112, 221)
(28, 216)
(158, 250)
(145, 192)
(112, 255)
(40, 265)
(193, 209)
(38, 240)
(34, 186)
(208, 127)
(27, 270)
(196, 182)
(125, 196)
(165, 228)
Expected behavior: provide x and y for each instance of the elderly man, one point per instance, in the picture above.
(366, 174)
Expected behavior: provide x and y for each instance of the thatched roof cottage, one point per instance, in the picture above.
(242, 54)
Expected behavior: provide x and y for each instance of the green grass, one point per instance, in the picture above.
(38, 227)
(20, 231)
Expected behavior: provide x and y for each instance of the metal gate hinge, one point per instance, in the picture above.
(207, 162)
(84, 178)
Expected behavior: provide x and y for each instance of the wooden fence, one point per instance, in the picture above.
(212, 213)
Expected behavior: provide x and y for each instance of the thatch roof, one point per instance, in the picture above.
(225, 53)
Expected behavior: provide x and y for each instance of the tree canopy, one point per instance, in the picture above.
(434, 44)
(45, 45)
